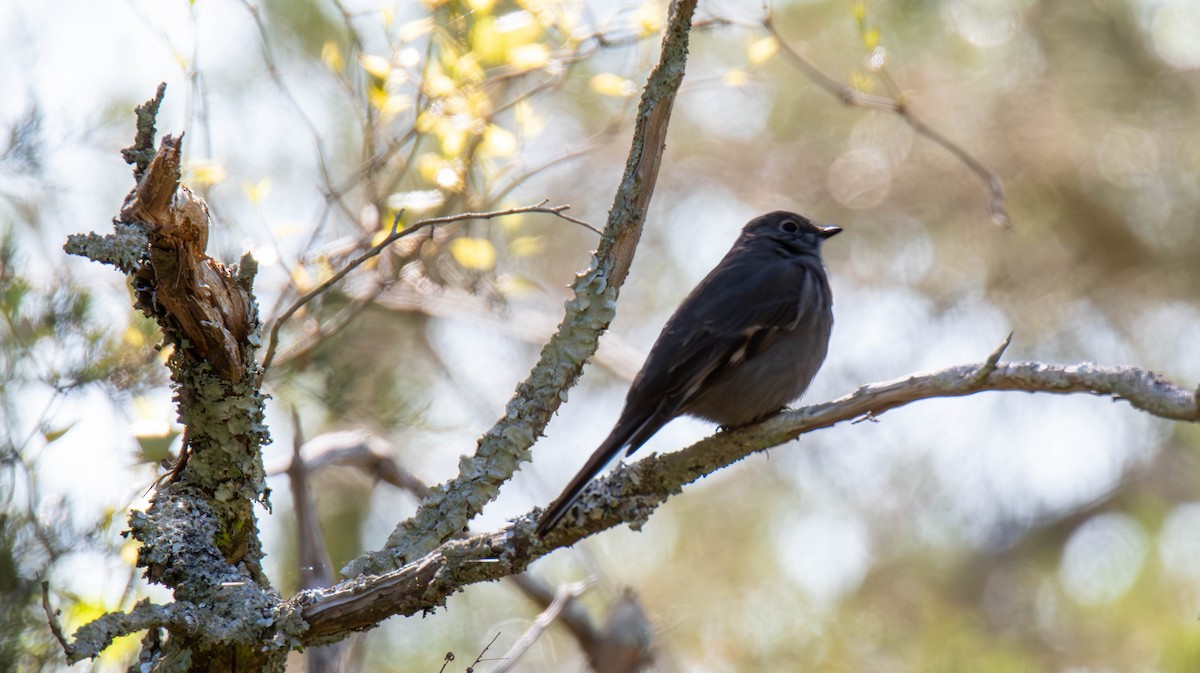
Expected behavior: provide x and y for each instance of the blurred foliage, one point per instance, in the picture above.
(989, 534)
(54, 348)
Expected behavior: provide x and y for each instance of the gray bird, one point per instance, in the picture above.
(745, 343)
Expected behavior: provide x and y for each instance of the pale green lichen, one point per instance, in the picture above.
(126, 248)
(448, 507)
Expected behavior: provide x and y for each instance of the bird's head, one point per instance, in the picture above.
(795, 232)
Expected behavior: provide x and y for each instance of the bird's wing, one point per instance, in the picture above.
(731, 317)
(735, 314)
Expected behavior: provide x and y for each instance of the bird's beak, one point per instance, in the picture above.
(831, 230)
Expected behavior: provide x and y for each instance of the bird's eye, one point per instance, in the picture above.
(789, 226)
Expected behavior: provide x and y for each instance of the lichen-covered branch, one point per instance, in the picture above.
(199, 537)
(94, 637)
(629, 494)
(449, 506)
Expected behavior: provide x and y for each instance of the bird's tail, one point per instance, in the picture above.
(632, 435)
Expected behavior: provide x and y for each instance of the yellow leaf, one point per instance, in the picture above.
(499, 142)
(383, 233)
(513, 285)
(301, 278)
(438, 85)
(377, 97)
(510, 223)
(257, 191)
(528, 120)
(324, 270)
(133, 337)
(649, 17)
(870, 38)
(486, 40)
(428, 165)
(467, 68)
(376, 66)
(735, 78)
(57, 433)
(479, 106)
(426, 122)
(526, 246)
(609, 84)
(528, 56)
(387, 105)
(474, 253)
(761, 50)
(205, 173)
(453, 142)
(331, 56)
(860, 82)
(416, 29)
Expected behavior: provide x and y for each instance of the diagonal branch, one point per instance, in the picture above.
(629, 494)
(451, 505)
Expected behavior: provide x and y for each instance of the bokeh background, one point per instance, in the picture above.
(1002, 532)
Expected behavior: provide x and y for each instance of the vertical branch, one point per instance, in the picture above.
(199, 536)
(449, 506)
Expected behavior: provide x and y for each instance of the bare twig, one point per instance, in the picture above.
(52, 619)
(471, 668)
(851, 96)
(397, 234)
(989, 365)
(562, 598)
(630, 493)
(274, 73)
(317, 333)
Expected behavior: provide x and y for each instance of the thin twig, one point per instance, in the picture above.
(52, 619)
(562, 598)
(305, 343)
(274, 72)
(397, 234)
(851, 96)
(471, 668)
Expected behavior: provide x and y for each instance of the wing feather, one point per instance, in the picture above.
(703, 340)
